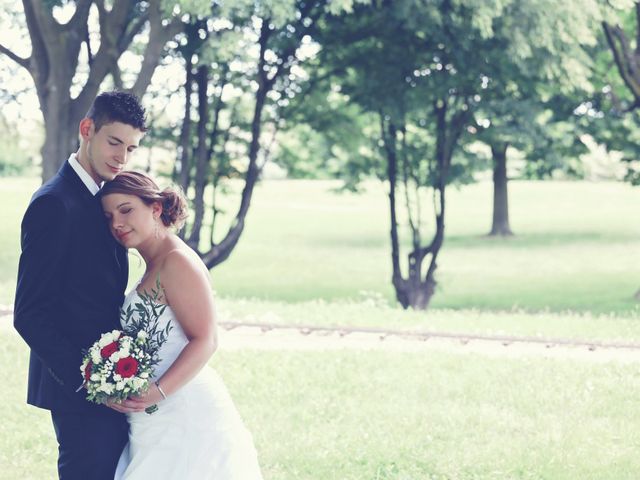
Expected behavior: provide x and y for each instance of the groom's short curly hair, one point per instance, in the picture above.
(114, 106)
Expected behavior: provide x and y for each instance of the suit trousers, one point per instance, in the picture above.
(89, 445)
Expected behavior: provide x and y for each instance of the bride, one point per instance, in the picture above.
(196, 432)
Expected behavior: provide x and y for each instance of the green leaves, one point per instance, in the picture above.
(144, 317)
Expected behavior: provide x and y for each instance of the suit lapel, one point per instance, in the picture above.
(92, 203)
(73, 180)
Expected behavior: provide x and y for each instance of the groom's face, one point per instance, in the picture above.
(107, 150)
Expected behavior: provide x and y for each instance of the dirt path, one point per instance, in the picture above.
(262, 336)
(270, 337)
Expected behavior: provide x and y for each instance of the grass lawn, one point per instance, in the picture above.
(569, 271)
(310, 256)
(14, 197)
(354, 415)
(574, 245)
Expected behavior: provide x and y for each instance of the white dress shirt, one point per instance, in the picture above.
(84, 176)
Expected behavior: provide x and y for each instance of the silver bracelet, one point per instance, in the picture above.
(164, 395)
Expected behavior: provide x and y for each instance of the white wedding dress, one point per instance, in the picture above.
(196, 433)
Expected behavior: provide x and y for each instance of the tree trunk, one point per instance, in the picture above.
(184, 147)
(221, 251)
(415, 295)
(61, 116)
(202, 158)
(500, 225)
(414, 291)
(60, 141)
(388, 131)
(267, 76)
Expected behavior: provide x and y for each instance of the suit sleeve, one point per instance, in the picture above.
(45, 248)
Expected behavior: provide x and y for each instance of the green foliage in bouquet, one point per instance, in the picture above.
(143, 317)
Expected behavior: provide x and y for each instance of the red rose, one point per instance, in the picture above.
(87, 371)
(109, 349)
(127, 367)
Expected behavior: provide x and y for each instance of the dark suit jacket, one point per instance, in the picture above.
(71, 281)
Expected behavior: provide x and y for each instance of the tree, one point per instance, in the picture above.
(324, 135)
(394, 69)
(614, 102)
(543, 131)
(427, 72)
(611, 115)
(74, 47)
(242, 67)
(625, 56)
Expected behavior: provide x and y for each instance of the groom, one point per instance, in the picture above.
(71, 281)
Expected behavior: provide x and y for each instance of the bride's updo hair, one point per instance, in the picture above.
(173, 201)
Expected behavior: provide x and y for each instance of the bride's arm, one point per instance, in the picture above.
(187, 291)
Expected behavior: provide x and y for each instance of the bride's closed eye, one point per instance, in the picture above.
(124, 211)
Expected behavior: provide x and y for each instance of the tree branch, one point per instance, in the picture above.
(39, 62)
(23, 62)
(415, 232)
(620, 55)
(219, 104)
(159, 35)
(79, 19)
(388, 134)
(112, 26)
(637, 28)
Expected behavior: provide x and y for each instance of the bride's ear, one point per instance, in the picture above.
(156, 210)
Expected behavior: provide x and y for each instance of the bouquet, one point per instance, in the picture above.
(121, 362)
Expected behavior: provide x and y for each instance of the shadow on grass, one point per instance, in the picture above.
(541, 239)
(526, 240)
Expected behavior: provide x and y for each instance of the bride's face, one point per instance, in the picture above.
(131, 221)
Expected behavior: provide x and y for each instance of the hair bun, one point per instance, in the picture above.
(174, 207)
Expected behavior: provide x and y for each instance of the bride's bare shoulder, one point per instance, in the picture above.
(182, 264)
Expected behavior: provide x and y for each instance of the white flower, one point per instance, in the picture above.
(106, 388)
(115, 356)
(138, 383)
(144, 375)
(105, 339)
(95, 377)
(95, 356)
(142, 335)
(115, 334)
(116, 377)
(120, 385)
